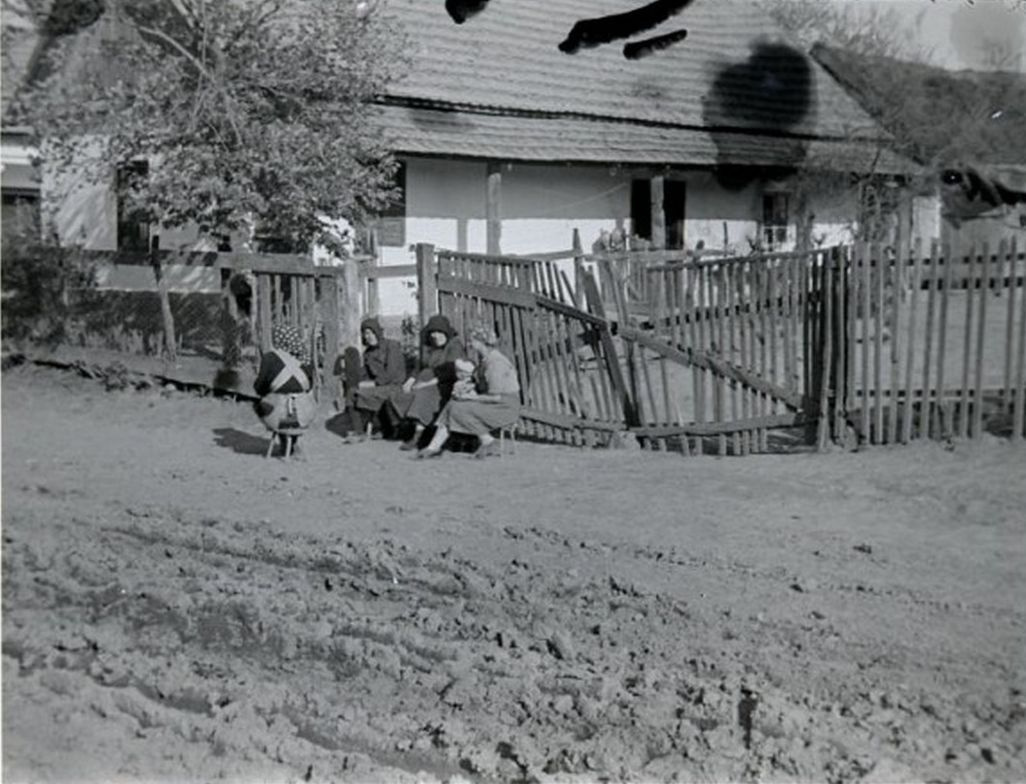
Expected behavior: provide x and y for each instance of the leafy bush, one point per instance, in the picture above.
(37, 279)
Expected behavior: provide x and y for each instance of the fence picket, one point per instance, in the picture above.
(963, 414)
(977, 404)
(917, 271)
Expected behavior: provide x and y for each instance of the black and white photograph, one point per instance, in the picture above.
(513, 391)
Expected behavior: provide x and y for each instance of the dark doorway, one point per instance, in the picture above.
(674, 204)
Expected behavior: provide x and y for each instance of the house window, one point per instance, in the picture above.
(21, 214)
(774, 219)
(674, 202)
(392, 219)
(133, 225)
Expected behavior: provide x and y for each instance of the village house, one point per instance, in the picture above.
(966, 128)
(732, 139)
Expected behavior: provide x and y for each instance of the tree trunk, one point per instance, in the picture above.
(170, 343)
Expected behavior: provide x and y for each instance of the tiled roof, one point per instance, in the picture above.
(422, 131)
(946, 116)
(734, 71)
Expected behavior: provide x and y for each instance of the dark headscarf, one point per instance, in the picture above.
(438, 323)
(374, 326)
(287, 338)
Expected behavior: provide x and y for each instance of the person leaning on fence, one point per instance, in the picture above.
(285, 383)
(371, 384)
(493, 404)
(424, 394)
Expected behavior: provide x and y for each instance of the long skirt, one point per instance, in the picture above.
(422, 405)
(278, 411)
(477, 417)
(371, 399)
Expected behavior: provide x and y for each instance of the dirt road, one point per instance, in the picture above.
(175, 607)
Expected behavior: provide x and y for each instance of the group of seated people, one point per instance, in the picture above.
(473, 392)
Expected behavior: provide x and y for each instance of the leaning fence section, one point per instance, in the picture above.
(925, 346)
(562, 353)
(721, 352)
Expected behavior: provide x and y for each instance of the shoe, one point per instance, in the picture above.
(408, 446)
(489, 450)
(427, 453)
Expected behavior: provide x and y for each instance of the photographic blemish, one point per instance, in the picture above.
(638, 49)
(614, 27)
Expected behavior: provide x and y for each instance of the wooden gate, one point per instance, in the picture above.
(727, 350)
(571, 388)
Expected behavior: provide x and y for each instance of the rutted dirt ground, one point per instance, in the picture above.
(175, 607)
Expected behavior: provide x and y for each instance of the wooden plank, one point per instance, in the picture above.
(485, 291)
(728, 346)
(694, 429)
(926, 414)
(917, 271)
(945, 300)
(352, 313)
(1019, 396)
(867, 387)
(842, 360)
(391, 271)
(734, 373)
(1008, 251)
(977, 404)
(609, 351)
(963, 414)
(827, 343)
(563, 421)
(897, 276)
(880, 253)
(263, 293)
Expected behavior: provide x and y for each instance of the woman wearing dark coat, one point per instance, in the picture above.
(372, 383)
(424, 394)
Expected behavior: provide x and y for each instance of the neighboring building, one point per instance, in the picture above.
(967, 129)
(732, 137)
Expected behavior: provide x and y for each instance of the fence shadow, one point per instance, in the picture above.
(240, 442)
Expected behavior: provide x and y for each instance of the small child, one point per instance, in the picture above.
(465, 386)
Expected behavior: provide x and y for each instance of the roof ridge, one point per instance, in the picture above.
(499, 110)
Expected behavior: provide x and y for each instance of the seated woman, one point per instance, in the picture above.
(284, 383)
(423, 395)
(494, 404)
(372, 383)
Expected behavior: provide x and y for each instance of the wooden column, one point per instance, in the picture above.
(578, 270)
(352, 315)
(427, 287)
(373, 294)
(493, 209)
(658, 213)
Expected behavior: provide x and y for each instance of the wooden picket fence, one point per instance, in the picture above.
(925, 346)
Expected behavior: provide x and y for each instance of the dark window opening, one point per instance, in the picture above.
(21, 215)
(641, 209)
(133, 224)
(774, 219)
(674, 205)
(392, 219)
(674, 202)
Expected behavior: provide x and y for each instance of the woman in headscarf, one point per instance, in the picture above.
(372, 384)
(494, 404)
(424, 394)
(284, 383)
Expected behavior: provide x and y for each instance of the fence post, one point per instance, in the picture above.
(331, 317)
(170, 343)
(373, 294)
(578, 269)
(351, 315)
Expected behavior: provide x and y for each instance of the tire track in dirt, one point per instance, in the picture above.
(423, 660)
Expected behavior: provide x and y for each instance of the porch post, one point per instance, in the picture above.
(658, 214)
(493, 209)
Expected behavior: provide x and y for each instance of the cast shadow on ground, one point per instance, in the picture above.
(239, 442)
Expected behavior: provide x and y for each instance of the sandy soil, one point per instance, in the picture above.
(175, 607)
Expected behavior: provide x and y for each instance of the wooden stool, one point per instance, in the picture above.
(512, 431)
(289, 436)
